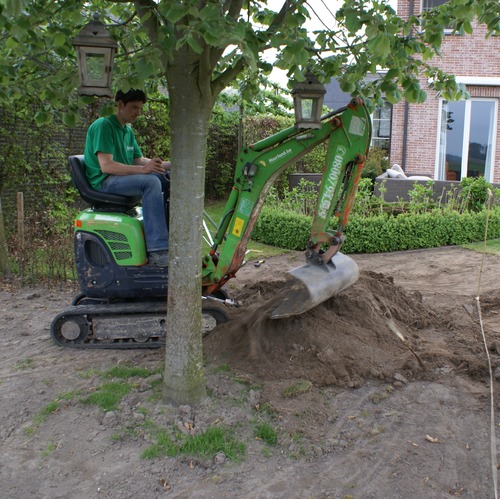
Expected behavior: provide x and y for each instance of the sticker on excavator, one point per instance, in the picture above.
(245, 207)
(331, 182)
(357, 126)
(280, 156)
(111, 218)
(238, 226)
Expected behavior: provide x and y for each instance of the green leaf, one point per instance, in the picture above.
(176, 12)
(59, 39)
(23, 22)
(195, 46)
(348, 87)
(193, 11)
(387, 86)
(42, 118)
(145, 68)
(11, 43)
(420, 95)
(415, 95)
(394, 96)
(13, 7)
(69, 119)
(296, 47)
(468, 27)
(381, 45)
(464, 12)
(108, 109)
(211, 37)
(352, 22)
(392, 73)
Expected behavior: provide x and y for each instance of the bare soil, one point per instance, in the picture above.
(380, 392)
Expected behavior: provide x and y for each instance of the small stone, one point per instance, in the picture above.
(317, 450)
(253, 397)
(184, 410)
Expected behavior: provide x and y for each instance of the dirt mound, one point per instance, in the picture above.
(375, 329)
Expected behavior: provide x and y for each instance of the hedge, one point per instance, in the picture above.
(383, 232)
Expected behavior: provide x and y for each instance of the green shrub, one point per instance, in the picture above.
(153, 128)
(363, 202)
(377, 162)
(282, 228)
(376, 226)
(222, 152)
(474, 192)
(421, 197)
(382, 232)
(302, 199)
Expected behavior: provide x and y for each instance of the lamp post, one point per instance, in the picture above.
(308, 102)
(95, 50)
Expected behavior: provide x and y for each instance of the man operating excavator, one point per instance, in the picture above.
(115, 164)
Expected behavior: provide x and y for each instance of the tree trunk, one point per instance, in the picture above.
(4, 257)
(184, 380)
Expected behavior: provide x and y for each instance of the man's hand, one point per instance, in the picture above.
(141, 165)
(155, 165)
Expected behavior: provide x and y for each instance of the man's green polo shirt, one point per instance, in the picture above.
(107, 135)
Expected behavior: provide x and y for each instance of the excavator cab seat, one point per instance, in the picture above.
(105, 202)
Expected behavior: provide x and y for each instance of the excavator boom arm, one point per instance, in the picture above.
(347, 132)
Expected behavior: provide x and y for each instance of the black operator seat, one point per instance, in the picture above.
(106, 202)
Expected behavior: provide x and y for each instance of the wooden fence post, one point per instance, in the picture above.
(20, 218)
(4, 259)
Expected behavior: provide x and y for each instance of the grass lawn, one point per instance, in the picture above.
(491, 246)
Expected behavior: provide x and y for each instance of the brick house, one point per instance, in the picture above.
(439, 139)
(452, 140)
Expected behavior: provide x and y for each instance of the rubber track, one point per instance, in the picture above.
(88, 312)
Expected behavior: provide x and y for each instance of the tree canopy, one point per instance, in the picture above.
(228, 39)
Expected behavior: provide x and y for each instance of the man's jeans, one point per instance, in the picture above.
(154, 190)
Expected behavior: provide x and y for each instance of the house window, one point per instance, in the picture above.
(426, 5)
(467, 135)
(381, 121)
(429, 4)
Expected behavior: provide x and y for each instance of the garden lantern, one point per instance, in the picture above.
(308, 102)
(95, 50)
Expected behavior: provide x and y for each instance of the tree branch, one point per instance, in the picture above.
(150, 22)
(233, 10)
(281, 16)
(222, 81)
(144, 7)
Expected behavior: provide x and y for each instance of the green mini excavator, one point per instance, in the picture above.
(122, 300)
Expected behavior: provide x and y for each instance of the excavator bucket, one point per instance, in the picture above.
(310, 285)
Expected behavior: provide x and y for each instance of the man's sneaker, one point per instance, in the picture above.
(159, 258)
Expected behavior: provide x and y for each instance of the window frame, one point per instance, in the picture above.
(446, 31)
(422, 9)
(439, 167)
(374, 128)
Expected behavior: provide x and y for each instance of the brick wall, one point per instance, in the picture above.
(468, 55)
